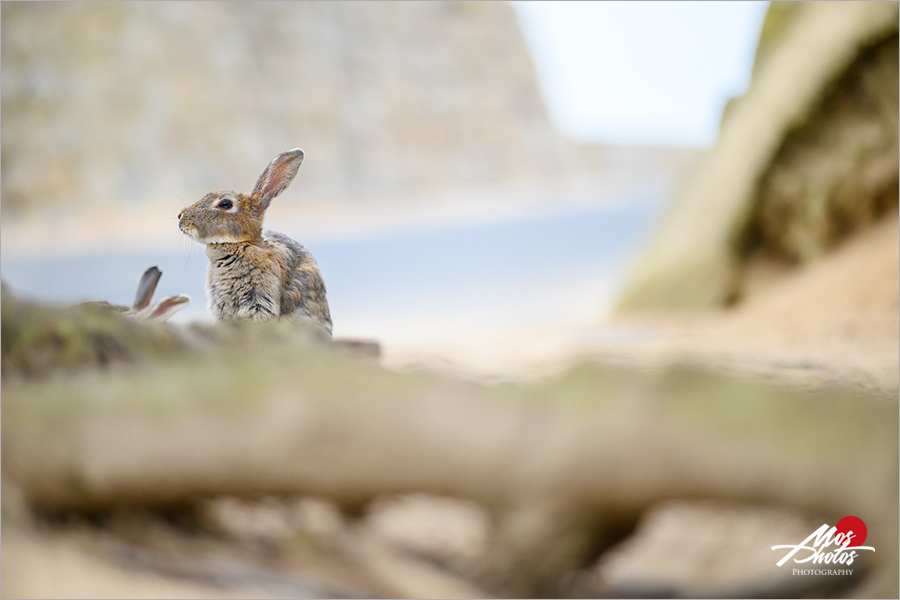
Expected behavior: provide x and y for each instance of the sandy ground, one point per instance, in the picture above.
(837, 318)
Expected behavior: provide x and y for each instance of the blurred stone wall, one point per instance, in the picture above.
(109, 102)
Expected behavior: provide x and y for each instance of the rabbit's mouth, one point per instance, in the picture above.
(220, 230)
(194, 233)
(190, 231)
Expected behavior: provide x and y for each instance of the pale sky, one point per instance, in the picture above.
(641, 73)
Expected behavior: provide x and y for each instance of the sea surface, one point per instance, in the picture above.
(515, 267)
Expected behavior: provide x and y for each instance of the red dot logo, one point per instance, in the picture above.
(852, 530)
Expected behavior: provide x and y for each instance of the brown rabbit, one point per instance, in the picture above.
(255, 275)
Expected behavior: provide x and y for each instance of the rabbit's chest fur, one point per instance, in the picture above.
(243, 281)
(265, 280)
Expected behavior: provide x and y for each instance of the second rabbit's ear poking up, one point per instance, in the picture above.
(277, 177)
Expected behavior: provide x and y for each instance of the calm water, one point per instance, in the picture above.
(440, 270)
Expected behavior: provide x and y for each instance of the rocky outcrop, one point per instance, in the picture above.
(124, 103)
(808, 156)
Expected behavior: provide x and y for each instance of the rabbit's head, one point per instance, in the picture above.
(229, 217)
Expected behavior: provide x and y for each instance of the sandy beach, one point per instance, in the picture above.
(838, 317)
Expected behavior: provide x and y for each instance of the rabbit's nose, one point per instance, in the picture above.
(179, 215)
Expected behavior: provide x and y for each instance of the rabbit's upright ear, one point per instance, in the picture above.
(146, 287)
(277, 177)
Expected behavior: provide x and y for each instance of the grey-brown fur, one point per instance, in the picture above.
(255, 275)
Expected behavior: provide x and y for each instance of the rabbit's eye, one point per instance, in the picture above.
(225, 204)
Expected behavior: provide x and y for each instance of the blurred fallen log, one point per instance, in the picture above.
(565, 466)
(39, 339)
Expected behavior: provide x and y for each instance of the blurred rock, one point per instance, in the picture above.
(451, 532)
(712, 549)
(808, 156)
(838, 172)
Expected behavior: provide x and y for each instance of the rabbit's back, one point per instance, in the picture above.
(303, 294)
